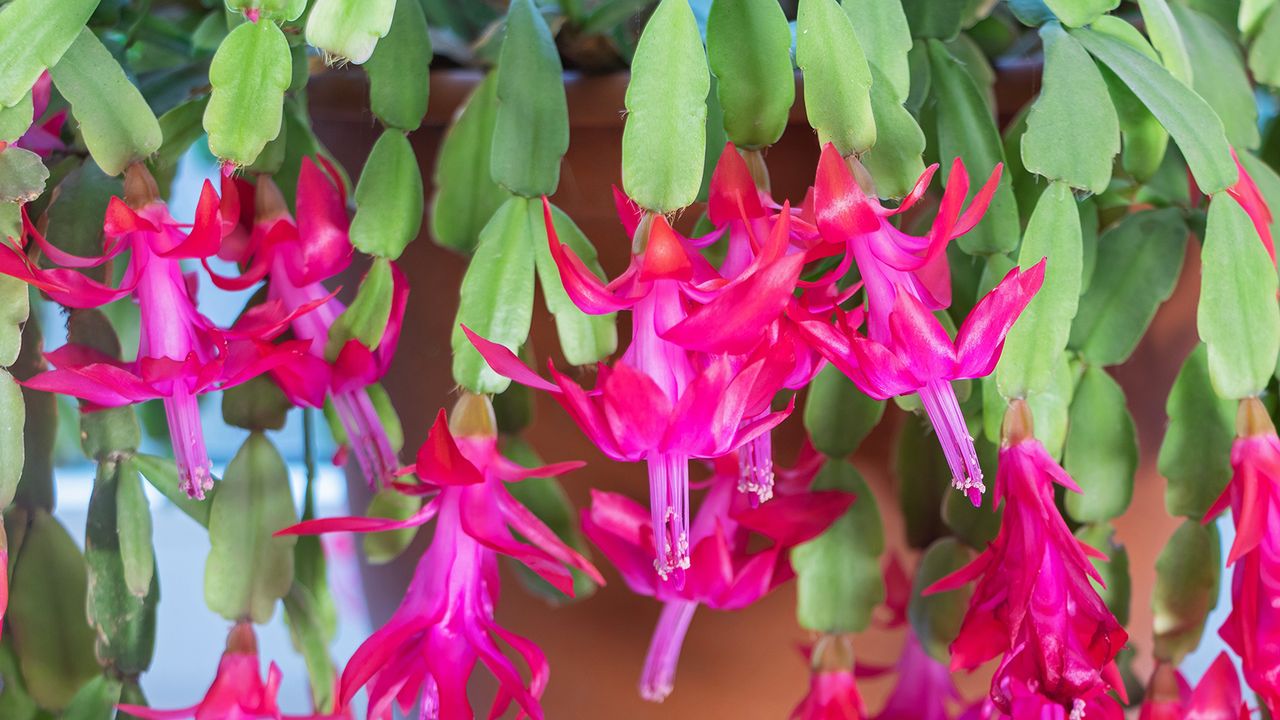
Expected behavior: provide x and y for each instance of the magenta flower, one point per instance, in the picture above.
(833, 685)
(1216, 697)
(181, 354)
(729, 571)
(296, 256)
(919, 356)
(425, 654)
(924, 686)
(1253, 627)
(238, 691)
(906, 350)
(1033, 601)
(662, 402)
(1246, 192)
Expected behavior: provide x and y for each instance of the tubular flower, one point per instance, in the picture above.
(924, 685)
(906, 278)
(426, 652)
(1033, 601)
(181, 354)
(662, 402)
(919, 356)
(1216, 697)
(754, 226)
(296, 256)
(725, 574)
(1253, 627)
(238, 691)
(833, 685)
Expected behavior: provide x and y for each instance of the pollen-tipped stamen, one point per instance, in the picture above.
(943, 409)
(669, 508)
(187, 434)
(755, 469)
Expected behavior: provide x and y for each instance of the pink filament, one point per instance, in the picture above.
(365, 436)
(669, 506)
(755, 469)
(943, 409)
(187, 435)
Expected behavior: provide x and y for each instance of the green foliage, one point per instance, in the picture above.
(936, 618)
(837, 415)
(466, 195)
(349, 29)
(837, 79)
(664, 139)
(1101, 454)
(1187, 575)
(1195, 455)
(749, 51)
(388, 198)
(531, 126)
(398, 70)
(33, 36)
(249, 74)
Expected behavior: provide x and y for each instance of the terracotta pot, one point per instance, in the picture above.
(744, 664)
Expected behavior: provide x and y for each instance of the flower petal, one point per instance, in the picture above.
(505, 363)
(981, 337)
(439, 460)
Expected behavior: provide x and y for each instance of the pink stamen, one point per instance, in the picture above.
(669, 505)
(186, 431)
(755, 469)
(366, 436)
(943, 409)
(658, 677)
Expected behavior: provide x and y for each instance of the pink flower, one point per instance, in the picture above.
(729, 571)
(238, 691)
(677, 392)
(181, 354)
(924, 686)
(425, 654)
(1216, 697)
(1253, 627)
(1033, 601)
(296, 257)
(919, 356)
(906, 278)
(833, 686)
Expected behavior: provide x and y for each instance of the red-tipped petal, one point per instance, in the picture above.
(322, 226)
(733, 194)
(439, 460)
(121, 219)
(206, 233)
(665, 257)
(842, 207)
(586, 290)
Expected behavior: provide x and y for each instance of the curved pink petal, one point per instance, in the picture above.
(66, 259)
(733, 194)
(920, 341)
(508, 471)
(636, 408)
(881, 373)
(531, 528)
(487, 525)
(735, 321)
(978, 206)
(320, 526)
(591, 418)
(792, 519)
(629, 213)
(121, 219)
(322, 226)
(439, 460)
(505, 363)
(587, 291)
(206, 232)
(100, 384)
(621, 529)
(665, 256)
(843, 209)
(980, 338)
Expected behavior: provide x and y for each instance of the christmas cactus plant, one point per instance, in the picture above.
(866, 250)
